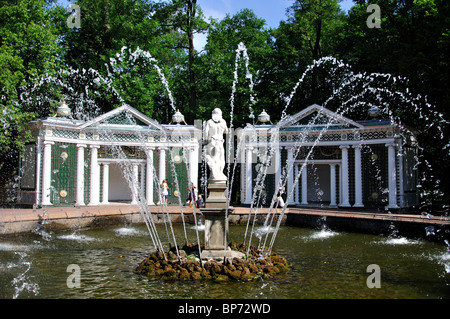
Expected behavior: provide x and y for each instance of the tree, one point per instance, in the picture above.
(307, 35)
(219, 60)
(184, 18)
(106, 26)
(413, 42)
(28, 50)
(312, 19)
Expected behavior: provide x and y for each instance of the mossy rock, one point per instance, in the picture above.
(183, 274)
(221, 278)
(169, 266)
(196, 275)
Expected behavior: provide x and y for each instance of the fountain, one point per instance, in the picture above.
(217, 259)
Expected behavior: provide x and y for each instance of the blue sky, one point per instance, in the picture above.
(273, 11)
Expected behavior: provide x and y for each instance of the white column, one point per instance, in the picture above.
(105, 183)
(345, 184)
(47, 173)
(358, 177)
(80, 174)
(193, 165)
(142, 184)
(149, 176)
(340, 182)
(297, 188)
(134, 180)
(248, 176)
(162, 163)
(290, 181)
(277, 167)
(95, 177)
(305, 184)
(333, 185)
(392, 176)
(243, 171)
(38, 170)
(400, 179)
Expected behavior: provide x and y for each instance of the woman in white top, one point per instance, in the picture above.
(164, 191)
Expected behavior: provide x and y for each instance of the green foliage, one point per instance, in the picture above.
(28, 50)
(219, 60)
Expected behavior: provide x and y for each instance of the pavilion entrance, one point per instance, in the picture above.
(119, 190)
(319, 183)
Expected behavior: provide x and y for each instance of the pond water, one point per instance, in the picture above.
(325, 264)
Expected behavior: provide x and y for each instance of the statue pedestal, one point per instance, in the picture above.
(216, 226)
(216, 229)
(216, 197)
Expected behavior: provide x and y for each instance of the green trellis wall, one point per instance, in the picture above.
(63, 175)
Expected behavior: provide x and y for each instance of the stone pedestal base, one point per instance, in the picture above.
(216, 225)
(216, 197)
(216, 228)
(221, 254)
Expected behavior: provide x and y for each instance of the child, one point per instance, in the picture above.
(200, 202)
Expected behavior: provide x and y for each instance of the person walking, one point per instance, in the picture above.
(191, 195)
(164, 191)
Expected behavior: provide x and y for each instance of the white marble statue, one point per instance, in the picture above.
(215, 128)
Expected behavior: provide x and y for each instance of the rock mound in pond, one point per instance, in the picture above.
(168, 266)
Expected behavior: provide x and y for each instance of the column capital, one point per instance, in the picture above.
(393, 144)
(94, 146)
(344, 146)
(82, 145)
(357, 146)
(163, 148)
(48, 142)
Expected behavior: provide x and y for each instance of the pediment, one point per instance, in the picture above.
(316, 115)
(123, 117)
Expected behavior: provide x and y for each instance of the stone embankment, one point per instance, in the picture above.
(14, 221)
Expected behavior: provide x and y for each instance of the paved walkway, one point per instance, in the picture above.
(8, 215)
(436, 220)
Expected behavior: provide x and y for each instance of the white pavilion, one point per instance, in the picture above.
(76, 162)
(340, 162)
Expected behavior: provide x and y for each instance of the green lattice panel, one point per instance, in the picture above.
(181, 174)
(64, 167)
(374, 175)
(125, 119)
